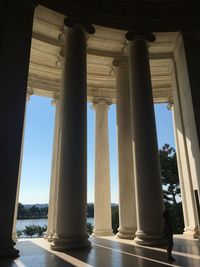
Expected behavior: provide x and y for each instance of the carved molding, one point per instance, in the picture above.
(170, 104)
(79, 24)
(102, 101)
(133, 36)
(29, 93)
(120, 61)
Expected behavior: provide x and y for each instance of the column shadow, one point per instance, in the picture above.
(33, 255)
(105, 253)
(109, 253)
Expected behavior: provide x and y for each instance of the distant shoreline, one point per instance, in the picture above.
(40, 211)
(37, 218)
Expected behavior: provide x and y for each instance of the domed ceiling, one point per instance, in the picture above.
(106, 45)
(142, 15)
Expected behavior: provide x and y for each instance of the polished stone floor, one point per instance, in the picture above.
(106, 252)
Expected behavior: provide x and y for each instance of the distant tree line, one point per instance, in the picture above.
(35, 212)
(32, 212)
(90, 210)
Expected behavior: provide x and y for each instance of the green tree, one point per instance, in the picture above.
(171, 186)
(169, 173)
(89, 228)
(176, 214)
(31, 212)
(43, 212)
(90, 210)
(115, 218)
(35, 212)
(23, 213)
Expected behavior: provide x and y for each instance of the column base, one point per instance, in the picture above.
(7, 250)
(65, 244)
(126, 233)
(50, 236)
(149, 239)
(102, 232)
(46, 234)
(191, 232)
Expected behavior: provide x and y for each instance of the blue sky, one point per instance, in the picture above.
(36, 166)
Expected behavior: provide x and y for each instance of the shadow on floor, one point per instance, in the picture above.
(109, 253)
(187, 246)
(32, 255)
(106, 253)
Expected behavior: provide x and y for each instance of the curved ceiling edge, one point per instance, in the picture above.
(145, 17)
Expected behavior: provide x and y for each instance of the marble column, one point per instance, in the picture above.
(53, 194)
(14, 235)
(183, 127)
(15, 43)
(127, 205)
(186, 58)
(149, 197)
(72, 192)
(102, 198)
(188, 202)
(191, 41)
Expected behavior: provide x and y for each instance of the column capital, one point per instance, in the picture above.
(120, 61)
(59, 62)
(170, 104)
(112, 71)
(29, 93)
(70, 22)
(105, 101)
(55, 98)
(147, 36)
(124, 49)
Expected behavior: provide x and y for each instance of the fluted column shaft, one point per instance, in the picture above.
(127, 205)
(14, 235)
(191, 40)
(53, 195)
(186, 59)
(72, 192)
(188, 201)
(184, 132)
(15, 43)
(146, 162)
(182, 170)
(102, 199)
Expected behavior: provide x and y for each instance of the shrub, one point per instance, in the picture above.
(89, 228)
(32, 230)
(19, 233)
(40, 230)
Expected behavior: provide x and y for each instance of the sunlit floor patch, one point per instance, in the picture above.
(135, 255)
(19, 263)
(105, 252)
